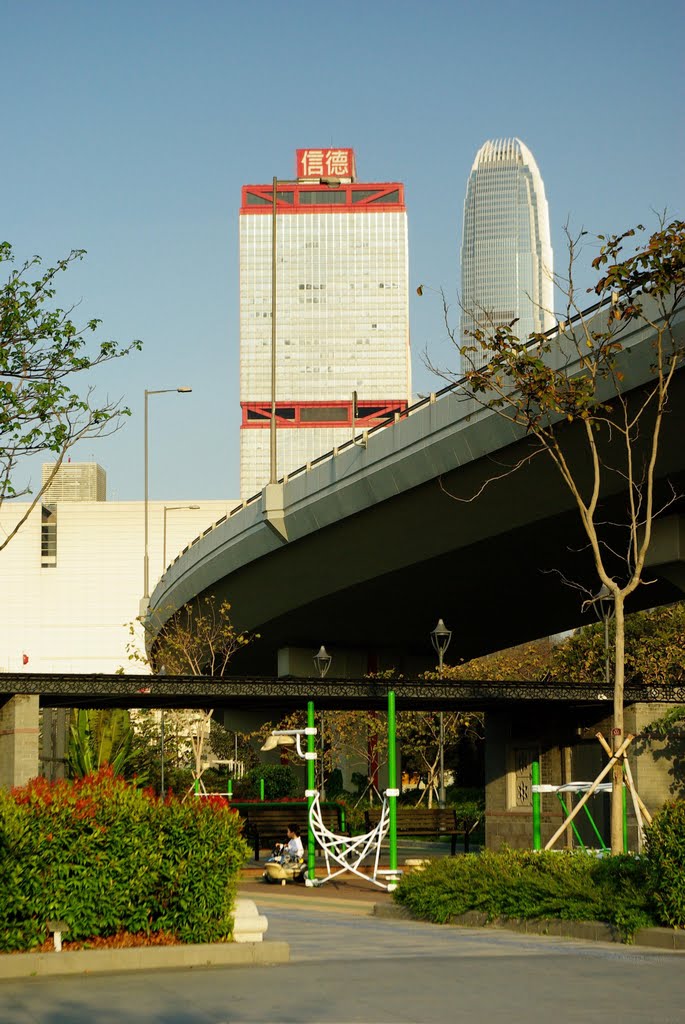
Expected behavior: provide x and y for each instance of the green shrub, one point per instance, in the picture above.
(280, 780)
(666, 864)
(527, 885)
(108, 857)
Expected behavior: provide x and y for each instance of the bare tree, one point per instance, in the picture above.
(198, 640)
(556, 401)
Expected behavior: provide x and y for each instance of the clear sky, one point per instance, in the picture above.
(129, 128)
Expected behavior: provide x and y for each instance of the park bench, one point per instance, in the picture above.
(267, 823)
(429, 821)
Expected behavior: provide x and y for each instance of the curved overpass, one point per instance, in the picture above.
(367, 547)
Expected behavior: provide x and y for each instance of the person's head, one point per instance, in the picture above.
(293, 832)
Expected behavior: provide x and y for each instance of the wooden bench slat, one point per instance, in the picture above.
(428, 821)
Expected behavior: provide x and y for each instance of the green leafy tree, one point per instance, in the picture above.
(525, 381)
(42, 354)
(654, 649)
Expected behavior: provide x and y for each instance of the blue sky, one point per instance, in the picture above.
(129, 129)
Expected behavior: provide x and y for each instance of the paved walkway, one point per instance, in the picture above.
(349, 967)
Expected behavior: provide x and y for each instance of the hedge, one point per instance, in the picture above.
(628, 892)
(526, 885)
(107, 857)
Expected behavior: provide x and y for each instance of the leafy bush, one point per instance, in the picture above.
(527, 885)
(666, 864)
(280, 780)
(107, 857)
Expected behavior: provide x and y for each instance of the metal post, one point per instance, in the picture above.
(261, 790)
(273, 472)
(146, 558)
(535, 779)
(441, 792)
(440, 638)
(161, 743)
(311, 789)
(164, 540)
(392, 780)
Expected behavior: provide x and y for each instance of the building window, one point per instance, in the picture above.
(48, 538)
(519, 793)
(327, 197)
(324, 414)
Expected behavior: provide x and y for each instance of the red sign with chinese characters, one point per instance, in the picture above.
(325, 163)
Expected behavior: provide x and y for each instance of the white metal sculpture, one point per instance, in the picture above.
(349, 853)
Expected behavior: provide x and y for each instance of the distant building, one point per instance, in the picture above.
(342, 319)
(72, 577)
(74, 481)
(506, 252)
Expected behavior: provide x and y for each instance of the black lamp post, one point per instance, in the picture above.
(322, 660)
(440, 638)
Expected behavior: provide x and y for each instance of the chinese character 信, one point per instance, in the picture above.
(312, 163)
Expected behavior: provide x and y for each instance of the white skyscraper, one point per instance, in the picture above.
(506, 252)
(342, 319)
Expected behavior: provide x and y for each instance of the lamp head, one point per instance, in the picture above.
(322, 660)
(440, 637)
(184, 390)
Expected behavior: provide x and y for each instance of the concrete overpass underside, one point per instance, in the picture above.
(368, 547)
(500, 569)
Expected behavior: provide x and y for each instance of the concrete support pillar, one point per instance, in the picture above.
(54, 752)
(18, 741)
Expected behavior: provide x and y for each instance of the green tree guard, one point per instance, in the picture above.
(392, 781)
(311, 789)
(535, 779)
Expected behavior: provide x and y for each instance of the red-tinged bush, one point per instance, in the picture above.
(106, 857)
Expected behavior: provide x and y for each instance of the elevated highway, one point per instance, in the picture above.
(364, 549)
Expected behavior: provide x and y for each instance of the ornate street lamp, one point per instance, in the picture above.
(440, 638)
(322, 660)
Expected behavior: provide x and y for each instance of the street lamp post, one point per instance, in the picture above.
(146, 559)
(322, 660)
(172, 508)
(440, 638)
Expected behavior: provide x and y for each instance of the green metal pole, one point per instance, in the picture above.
(535, 779)
(595, 829)
(230, 788)
(573, 824)
(392, 791)
(261, 789)
(311, 789)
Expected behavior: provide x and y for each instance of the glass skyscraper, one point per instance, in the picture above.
(506, 252)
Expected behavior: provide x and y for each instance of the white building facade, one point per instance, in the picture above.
(342, 315)
(506, 252)
(72, 577)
